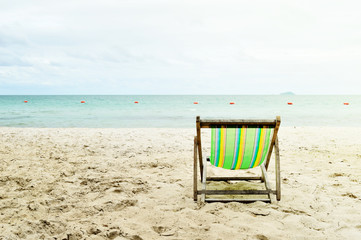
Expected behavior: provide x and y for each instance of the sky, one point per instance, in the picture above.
(180, 47)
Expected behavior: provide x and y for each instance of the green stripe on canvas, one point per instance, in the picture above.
(230, 139)
(249, 148)
(213, 143)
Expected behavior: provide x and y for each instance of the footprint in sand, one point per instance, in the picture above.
(163, 231)
(337, 175)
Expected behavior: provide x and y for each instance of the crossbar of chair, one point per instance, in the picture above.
(233, 178)
(208, 123)
(237, 200)
(236, 192)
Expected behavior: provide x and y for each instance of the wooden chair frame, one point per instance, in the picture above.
(198, 158)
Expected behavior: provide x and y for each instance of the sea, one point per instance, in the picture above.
(175, 111)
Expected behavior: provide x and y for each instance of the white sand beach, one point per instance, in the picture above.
(137, 184)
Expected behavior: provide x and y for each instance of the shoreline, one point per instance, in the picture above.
(136, 183)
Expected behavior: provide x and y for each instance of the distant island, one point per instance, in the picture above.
(287, 93)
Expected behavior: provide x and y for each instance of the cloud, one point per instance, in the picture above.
(8, 61)
(180, 47)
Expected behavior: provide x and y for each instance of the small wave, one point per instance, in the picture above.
(14, 118)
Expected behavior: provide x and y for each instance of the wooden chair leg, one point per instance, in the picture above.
(195, 180)
(200, 165)
(204, 181)
(278, 171)
(262, 176)
(266, 182)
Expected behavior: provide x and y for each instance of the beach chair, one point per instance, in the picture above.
(237, 145)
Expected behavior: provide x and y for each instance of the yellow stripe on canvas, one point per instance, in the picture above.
(241, 147)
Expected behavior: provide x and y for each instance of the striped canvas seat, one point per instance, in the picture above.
(240, 148)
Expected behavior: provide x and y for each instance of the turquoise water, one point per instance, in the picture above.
(175, 111)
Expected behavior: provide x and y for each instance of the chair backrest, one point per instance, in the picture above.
(240, 144)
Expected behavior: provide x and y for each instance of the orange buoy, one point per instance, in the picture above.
(346, 103)
(136, 102)
(82, 101)
(195, 103)
(231, 103)
(25, 101)
(290, 103)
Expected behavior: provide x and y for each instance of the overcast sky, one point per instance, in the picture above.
(180, 47)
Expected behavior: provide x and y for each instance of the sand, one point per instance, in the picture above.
(137, 184)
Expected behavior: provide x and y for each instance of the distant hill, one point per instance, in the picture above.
(287, 93)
